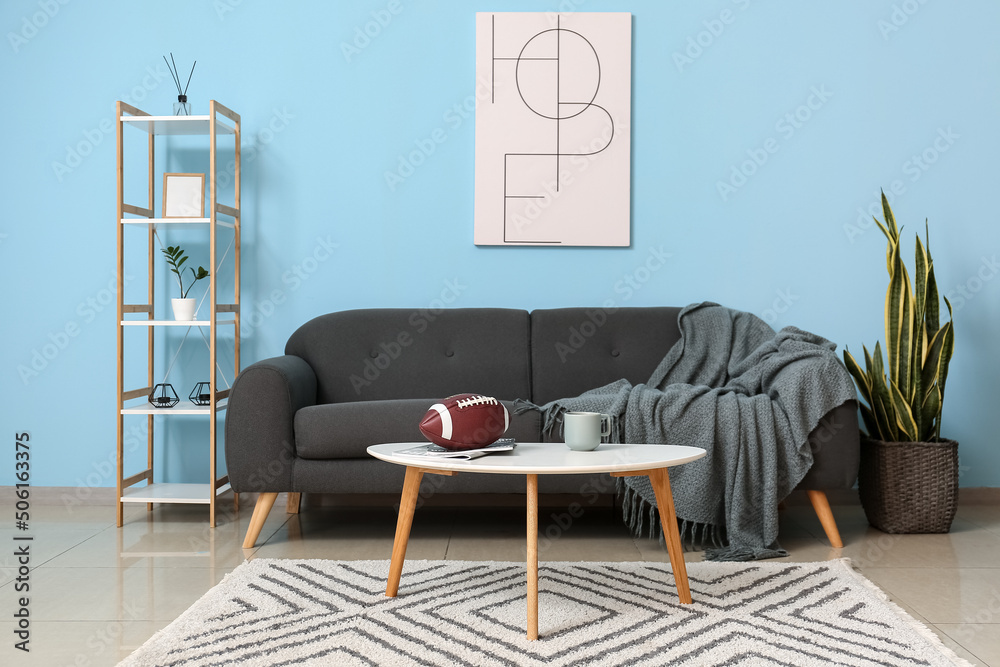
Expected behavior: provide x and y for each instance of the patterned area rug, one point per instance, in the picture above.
(319, 612)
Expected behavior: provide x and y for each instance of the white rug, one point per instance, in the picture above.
(319, 612)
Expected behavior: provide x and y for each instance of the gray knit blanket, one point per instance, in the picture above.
(747, 395)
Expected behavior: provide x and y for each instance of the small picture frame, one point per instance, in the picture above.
(183, 195)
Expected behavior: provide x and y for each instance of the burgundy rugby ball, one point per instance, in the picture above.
(465, 421)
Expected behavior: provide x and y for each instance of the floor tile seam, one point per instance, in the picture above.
(815, 534)
(980, 523)
(802, 536)
(978, 537)
(966, 648)
(35, 621)
(261, 540)
(113, 568)
(41, 526)
(32, 568)
(142, 618)
(923, 617)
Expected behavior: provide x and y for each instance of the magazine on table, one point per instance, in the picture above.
(432, 451)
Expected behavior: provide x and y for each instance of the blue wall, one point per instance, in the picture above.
(903, 96)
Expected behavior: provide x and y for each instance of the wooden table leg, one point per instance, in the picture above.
(532, 602)
(660, 481)
(407, 504)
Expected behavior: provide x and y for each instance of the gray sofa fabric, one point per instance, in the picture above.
(374, 476)
(574, 350)
(381, 354)
(364, 423)
(836, 450)
(302, 422)
(260, 440)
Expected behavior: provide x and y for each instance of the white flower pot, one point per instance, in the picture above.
(183, 309)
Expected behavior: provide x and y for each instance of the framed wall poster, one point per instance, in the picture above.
(553, 146)
(183, 195)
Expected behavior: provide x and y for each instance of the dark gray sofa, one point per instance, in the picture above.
(301, 423)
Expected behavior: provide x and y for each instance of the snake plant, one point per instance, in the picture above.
(906, 405)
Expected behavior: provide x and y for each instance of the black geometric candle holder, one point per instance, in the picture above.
(163, 396)
(201, 394)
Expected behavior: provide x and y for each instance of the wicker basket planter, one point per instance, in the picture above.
(909, 487)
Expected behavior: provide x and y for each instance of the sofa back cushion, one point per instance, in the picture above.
(576, 349)
(394, 353)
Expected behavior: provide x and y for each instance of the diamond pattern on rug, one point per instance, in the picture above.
(284, 612)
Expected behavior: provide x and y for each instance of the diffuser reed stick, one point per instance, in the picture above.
(182, 108)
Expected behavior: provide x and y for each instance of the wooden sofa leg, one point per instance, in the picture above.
(294, 502)
(822, 506)
(265, 502)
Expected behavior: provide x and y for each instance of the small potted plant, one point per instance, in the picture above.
(184, 307)
(908, 479)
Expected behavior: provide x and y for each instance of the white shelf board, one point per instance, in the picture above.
(198, 494)
(172, 323)
(165, 125)
(156, 222)
(182, 408)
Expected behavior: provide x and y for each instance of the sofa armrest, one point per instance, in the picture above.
(836, 449)
(260, 442)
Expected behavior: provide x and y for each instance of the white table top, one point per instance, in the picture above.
(535, 458)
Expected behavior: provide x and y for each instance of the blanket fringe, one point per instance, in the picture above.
(643, 518)
(550, 417)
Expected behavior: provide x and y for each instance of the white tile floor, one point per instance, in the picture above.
(98, 592)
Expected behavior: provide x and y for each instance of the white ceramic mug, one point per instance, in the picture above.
(583, 431)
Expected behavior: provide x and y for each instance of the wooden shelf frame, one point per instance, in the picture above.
(176, 323)
(131, 215)
(162, 492)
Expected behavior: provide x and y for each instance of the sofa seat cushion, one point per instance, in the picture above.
(346, 430)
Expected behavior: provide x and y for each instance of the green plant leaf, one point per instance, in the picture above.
(860, 377)
(888, 250)
(931, 409)
(933, 300)
(899, 324)
(882, 406)
(918, 348)
(871, 424)
(905, 394)
(175, 258)
(885, 418)
(869, 369)
(890, 219)
(889, 230)
(904, 417)
(933, 363)
(947, 349)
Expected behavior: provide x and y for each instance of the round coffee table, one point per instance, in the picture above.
(531, 460)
